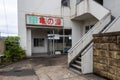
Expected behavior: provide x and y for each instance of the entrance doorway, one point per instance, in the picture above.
(59, 41)
(49, 41)
(55, 42)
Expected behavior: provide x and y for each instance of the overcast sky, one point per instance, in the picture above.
(11, 14)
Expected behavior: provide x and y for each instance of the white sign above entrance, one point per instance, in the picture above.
(44, 20)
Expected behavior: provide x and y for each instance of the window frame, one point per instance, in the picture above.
(87, 28)
(38, 42)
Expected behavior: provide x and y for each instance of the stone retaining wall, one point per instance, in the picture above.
(107, 55)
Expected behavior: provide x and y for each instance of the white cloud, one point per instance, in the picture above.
(10, 30)
(11, 12)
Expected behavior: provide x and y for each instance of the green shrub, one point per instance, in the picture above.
(13, 50)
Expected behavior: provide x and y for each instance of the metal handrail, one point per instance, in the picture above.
(85, 36)
(90, 45)
(88, 31)
(111, 24)
(87, 49)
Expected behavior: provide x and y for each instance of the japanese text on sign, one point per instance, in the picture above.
(42, 20)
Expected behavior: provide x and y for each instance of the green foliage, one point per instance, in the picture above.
(13, 50)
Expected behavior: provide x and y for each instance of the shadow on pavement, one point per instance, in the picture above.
(23, 72)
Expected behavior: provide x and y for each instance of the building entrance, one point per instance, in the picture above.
(47, 41)
(59, 41)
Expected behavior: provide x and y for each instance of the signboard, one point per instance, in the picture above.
(44, 20)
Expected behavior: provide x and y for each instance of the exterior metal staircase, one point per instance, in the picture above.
(80, 56)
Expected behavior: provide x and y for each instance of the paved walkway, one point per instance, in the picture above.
(49, 68)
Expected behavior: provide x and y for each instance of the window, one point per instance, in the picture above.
(38, 42)
(99, 1)
(65, 3)
(87, 28)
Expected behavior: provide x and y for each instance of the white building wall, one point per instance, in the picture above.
(73, 8)
(66, 16)
(78, 28)
(81, 8)
(39, 33)
(87, 6)
(89, 22)
(22, 31)
(53, 8)
(38, 7)
(50, 7)
(113, 5)
(77, 32)
(97, 10)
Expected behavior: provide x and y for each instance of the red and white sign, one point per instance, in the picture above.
(43, 20)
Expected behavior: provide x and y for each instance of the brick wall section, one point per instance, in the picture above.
(2, 45)
(107, 55)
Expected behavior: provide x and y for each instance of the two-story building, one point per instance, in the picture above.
(44, 26)
(53, 26)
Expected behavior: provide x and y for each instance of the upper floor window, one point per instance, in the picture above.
(65, 3)
(87, 28)
(99, 1)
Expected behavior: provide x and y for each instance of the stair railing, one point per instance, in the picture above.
(84, 36)
(87, 35)
(111, 25)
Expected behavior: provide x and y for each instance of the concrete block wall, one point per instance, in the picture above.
(106, 55)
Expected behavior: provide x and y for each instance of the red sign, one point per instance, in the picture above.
(50, 21)
(41, 20)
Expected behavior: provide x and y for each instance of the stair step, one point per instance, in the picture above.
(76, 66)
(78, 62)
(79, 58)
(75, 71)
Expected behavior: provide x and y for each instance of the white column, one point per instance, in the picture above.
(29, 46)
